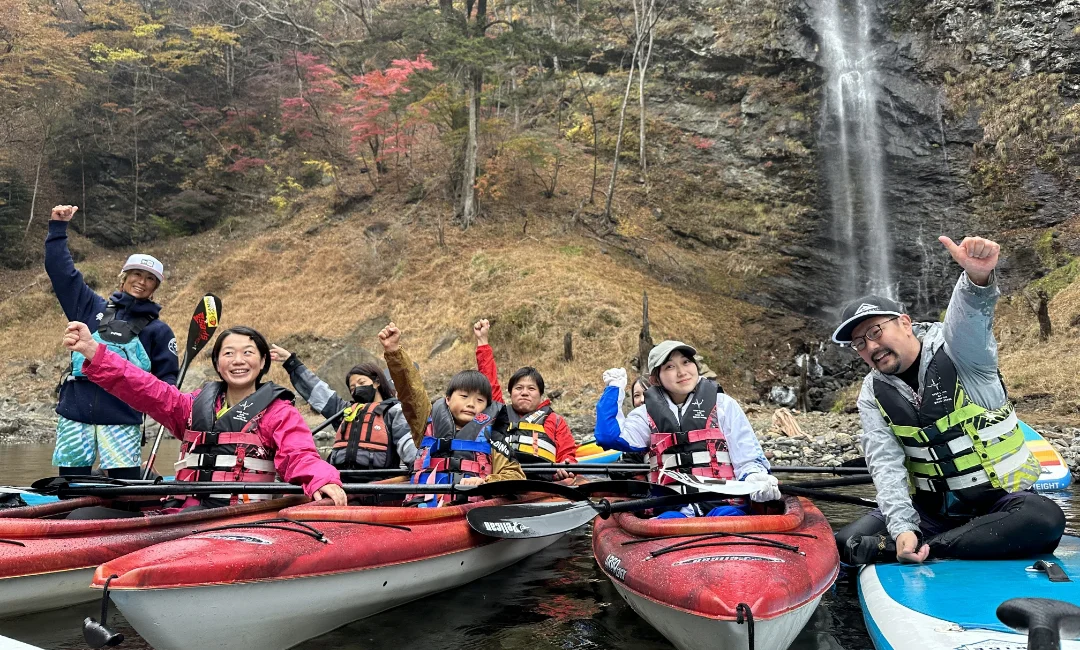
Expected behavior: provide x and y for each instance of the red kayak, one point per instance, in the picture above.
(710, 582)
(47, 563)
(273, 585)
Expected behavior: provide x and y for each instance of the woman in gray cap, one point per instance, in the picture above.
(688, 425)
(92, 423)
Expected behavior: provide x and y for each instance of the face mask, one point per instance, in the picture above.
(363, 394)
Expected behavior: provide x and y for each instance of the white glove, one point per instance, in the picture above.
(767, 487)
(615, 377)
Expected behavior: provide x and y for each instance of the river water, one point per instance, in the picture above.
(556, 600)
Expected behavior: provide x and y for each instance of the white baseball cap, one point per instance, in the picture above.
(147, 263)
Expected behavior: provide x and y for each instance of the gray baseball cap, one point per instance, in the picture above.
(660, 353)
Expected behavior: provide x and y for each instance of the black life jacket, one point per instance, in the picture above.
(228, 448)
(960, 456)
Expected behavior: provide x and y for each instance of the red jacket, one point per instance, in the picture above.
(554, 425)
(282, 429)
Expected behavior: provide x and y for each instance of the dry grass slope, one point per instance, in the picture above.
(319, 279)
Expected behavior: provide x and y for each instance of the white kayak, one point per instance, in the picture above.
(261, 587)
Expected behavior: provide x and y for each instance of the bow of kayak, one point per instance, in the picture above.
(47, 563)
(276, 584)
(701, 587)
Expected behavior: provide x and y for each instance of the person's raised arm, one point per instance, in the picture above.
(78, 300)
(485, 358)
(969, 319)
(610, 422)
(308, 385)
(137, 388)
(415, 403)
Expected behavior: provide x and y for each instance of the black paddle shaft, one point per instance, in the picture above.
(497, 488)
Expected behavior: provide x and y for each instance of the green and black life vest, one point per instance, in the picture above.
(960, 456)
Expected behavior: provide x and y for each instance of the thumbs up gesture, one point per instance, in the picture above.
(976, 255)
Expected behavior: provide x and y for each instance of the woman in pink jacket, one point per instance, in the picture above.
(237, 429)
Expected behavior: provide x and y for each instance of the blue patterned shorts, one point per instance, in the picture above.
(78, 443)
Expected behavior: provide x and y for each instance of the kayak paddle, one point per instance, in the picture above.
(525, 520)
(77, 487)
(529, 520)
(201, 329)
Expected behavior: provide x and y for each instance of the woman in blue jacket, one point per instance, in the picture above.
(94, 424)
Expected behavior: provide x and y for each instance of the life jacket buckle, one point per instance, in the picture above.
(207, 461)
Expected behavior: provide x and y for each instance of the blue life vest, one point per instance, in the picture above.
(447, 454)
(120, 336)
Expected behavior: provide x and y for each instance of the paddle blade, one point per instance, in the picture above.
(716, 486)
(529, 520)
(203, 324)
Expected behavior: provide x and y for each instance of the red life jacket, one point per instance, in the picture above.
(364, 440)
(228, 448)
(693, 443)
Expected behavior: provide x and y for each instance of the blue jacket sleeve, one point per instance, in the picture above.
(164, 363)
(608, 429)
(78, 301)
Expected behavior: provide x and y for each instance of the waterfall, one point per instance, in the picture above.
(853, 154)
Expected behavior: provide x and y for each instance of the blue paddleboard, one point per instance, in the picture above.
(951, 604)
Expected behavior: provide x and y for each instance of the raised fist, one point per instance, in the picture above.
(77, 338)
(279, 354)
(63, 212)
(480, 331)
(615, 377)
(390, 337)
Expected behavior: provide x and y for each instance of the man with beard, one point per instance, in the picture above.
(952, 472)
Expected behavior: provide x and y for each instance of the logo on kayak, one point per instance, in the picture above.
(506, 527)
(990, 644)
(247, 539)
(726, 558)
(614, 565)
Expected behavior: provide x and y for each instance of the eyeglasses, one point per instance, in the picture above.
(874, 333)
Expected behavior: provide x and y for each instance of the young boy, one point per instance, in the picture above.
(460, 437)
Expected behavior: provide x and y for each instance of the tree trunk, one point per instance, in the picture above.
(595, 139)
(468, 181)
(135, 118)
(82, 170)
(1044, 315)
(645, 342)
(643, 66)
(37, 177)
(618, 140)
